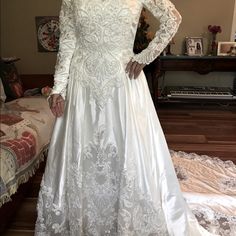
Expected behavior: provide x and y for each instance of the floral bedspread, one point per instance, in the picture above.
(209, 188)
(25, 130)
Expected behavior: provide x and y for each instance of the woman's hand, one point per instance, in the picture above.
(56, 104)
(133, 68)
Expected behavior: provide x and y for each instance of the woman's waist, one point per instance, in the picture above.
(100, 64)
(105, 56)
(103, 48)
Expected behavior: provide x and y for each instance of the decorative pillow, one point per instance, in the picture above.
(11, 80)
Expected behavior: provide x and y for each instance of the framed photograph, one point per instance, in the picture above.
(47, 33)
(194, 46)
(226, 49)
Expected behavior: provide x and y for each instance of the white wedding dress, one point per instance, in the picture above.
(109, 170)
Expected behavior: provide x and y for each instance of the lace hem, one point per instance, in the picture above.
(204, 159)
(99, 199)
(215, 222)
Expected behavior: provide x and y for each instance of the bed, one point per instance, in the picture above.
(25, 129)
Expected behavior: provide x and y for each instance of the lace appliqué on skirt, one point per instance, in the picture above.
(99, 198)
(215, 222)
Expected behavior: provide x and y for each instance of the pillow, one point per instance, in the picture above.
(2, 92)
(11, 80)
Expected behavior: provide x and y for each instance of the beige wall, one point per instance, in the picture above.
(196, 16)
(233, 31)
(18, 35)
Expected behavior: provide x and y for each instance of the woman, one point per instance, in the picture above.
(109, 171)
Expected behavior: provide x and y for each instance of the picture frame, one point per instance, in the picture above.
(226, 49)
(47, 28)
(194, 46)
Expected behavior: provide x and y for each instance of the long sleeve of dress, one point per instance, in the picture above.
(170, 20)
(66, 48)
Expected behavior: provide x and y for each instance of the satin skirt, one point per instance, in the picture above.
(109, 170)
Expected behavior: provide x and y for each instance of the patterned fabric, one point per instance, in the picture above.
(26, 126)
(209, 187)
(169, 21)
(99, 44)
(11, 80)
